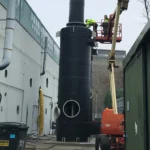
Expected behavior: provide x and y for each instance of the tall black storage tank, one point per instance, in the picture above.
(74, 77)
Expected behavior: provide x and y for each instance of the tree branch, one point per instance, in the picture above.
(146, 4)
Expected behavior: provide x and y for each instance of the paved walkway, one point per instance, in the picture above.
(49, 143)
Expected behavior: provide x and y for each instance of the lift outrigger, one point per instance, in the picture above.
(112, 123)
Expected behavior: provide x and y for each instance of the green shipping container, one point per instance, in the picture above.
(137, 93)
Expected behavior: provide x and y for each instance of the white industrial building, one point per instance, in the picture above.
(21, 80)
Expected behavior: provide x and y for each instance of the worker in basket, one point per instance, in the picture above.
(90, 22)
(105, 25)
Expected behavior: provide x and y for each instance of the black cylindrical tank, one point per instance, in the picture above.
(74, 77)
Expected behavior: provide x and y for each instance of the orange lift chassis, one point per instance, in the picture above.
(112, 123)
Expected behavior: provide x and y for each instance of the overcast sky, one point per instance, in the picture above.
(54, 15)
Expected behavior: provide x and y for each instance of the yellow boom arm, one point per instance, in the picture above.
(121, 5)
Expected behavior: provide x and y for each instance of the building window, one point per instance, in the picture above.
(47, 82)
(46, 111)
(0, 97)
(18, 109)
(31, 82)
(6, 73)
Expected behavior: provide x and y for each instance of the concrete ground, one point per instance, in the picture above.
(72, 148)
(59, 147)
(49, 143)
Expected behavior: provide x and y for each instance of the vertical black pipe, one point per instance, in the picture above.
(74, 77)
(76, 12)
(91, 87)
(45, 53)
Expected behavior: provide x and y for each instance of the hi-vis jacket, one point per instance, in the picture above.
(90, 22)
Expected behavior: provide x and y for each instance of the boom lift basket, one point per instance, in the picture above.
(107, 39)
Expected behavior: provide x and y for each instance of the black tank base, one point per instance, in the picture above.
(73, 132)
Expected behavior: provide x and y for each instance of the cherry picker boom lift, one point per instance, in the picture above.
(112, 123)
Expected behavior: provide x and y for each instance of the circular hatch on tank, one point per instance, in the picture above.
(71, 108)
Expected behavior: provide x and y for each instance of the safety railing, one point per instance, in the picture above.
(100, 31)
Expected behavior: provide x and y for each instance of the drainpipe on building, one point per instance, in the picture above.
(9, 34)
(45, 52)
